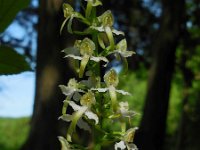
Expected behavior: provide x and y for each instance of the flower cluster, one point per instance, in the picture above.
(94, 96)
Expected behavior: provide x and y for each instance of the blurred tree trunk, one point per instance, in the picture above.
(51, 71)
(151, 133)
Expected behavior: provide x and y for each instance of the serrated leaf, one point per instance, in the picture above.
(11, 62)
(8, 11)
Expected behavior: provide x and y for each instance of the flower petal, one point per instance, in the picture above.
(74, 106)
(71, 50)
(95, 2)
(126, 53)
(121, 145)
(97, 59)
(76, 96)
(132, 146)
(64, 143)
(76, 116)
(83, 125)
(84, 62)
(66, 117)
(75, 57)
(101, 90)
(122, 92)
(117, 32)
(66, 90)
(92, 115)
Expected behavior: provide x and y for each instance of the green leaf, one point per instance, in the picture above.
(11, 62)
(8, 11)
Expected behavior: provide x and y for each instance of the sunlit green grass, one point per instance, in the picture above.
(13, 132)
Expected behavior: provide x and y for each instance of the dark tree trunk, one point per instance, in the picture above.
(151, 133)
(51, 71)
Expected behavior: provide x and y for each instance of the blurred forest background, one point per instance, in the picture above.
(164, 75)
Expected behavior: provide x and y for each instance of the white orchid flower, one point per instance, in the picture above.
(92, 81)
(70, 14)
(76, 118)
(124, 111)
(127, 140)
(121, 49)
(86, 49)
(88, 99)
(72, 90)
(111, 80)
(106, 25)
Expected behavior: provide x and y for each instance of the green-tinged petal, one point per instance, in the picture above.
(126, 53)
(71, 50)
(122, 92)
(76, 116)
(124, 110)
(72, 83)
(101, 43)
(64, 143)
(63, 24)
(66, 117)
(131, 146)
(66, 90)
(87, 47)
(125, 65)
(120, 145)
(76, 96)
(68, 10)
(98, 59)
(88, 99)
(116, 32)
(74, 105)
(101, 90)
(88, 9)
(113, 97)
(122, 45)
(100, 29)
(111, 78)
(92, 81)
(129, 135)
(110, 37)
(84, 62)
(74, 57)
(95, 2)
(92, 115)
(83, 125)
